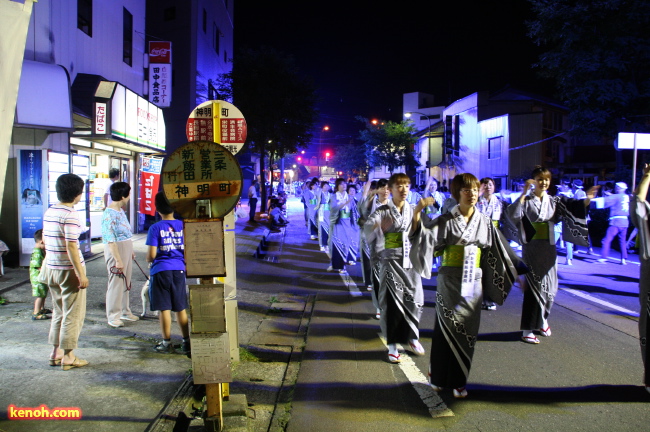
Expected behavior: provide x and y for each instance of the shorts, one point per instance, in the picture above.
(39, 290)
(167, 291)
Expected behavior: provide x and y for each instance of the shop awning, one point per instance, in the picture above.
(44, 97)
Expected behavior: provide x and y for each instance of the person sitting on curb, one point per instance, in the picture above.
(166, 253)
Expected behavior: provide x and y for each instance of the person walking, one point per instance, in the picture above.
(401, 297)
(639, 213)
(463, 236)
(118, 255)
(536, 216)
(492, 207)
(619, 210)
(340, 242)
(66, 272)
(324, 216)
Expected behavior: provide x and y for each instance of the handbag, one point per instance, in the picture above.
(43, 275)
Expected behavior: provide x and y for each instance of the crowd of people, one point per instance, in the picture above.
(476, 241)
(57, 266)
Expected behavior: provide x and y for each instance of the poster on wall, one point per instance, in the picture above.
(31, 193)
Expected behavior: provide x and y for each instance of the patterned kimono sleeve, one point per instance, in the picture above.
(372, 230)
(573, 214)
(423, 241)
(500, 266)
(639, 212)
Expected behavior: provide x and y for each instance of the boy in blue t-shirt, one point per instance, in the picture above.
(167, 292)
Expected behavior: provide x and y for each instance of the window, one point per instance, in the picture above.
(205, 21)
(85, 16)
(215, 33)
(127, 49)
(494, 148)
(225, 56)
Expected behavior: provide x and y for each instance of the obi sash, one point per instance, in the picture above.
(454, 256)
(393, 240)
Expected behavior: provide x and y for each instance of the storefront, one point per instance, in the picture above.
(123, 127)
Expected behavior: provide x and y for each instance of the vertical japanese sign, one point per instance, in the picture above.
(218, 121)
(160, 73)
(202, 171)
(100, 118)
(149, 180)
(31, 195)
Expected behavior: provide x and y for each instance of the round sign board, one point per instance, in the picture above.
(217, 121)
(202, 180)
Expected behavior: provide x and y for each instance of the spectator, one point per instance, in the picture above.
(113, 175)
(253, 195)
(66, 272)
(619, 209)
(167, 292)
(39, 290)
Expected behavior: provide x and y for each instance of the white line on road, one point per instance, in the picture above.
(600, 302)
(435, 405)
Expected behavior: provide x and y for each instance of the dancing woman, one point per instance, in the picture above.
(311, 199)
(401, 297)
(639, 211)
(324, 215)
(340, 227)
(476, 260)
(536, 215)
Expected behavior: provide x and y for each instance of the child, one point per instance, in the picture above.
(167, 287)
(39, 290)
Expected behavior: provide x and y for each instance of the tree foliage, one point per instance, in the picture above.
(599, 55)
(350, 159)
(278, 103)
(390, 144)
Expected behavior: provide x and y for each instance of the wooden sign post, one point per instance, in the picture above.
(202, 181)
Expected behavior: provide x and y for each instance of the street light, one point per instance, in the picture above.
(320, 149)
(408, 116)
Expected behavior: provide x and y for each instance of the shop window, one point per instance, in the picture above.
(127, 50)
(85, 16)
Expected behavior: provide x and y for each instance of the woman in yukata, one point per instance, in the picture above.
(372, 199)
(340, 227)
(639, 211)
(492, 207)
(536, 215)
(311, 199)
(401, 298)
(476, 260)
(354, 218)
(324, 215)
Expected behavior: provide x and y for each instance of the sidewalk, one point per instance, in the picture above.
(129, 387)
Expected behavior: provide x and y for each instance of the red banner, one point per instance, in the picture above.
(149, 183)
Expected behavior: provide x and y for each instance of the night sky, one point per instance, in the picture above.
(363, 56)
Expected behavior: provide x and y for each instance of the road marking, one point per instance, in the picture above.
(432, 400)
(350, 284)
(600, 302)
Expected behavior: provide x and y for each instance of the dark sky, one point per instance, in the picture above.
(363, 55)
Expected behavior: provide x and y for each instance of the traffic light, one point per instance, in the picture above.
(327, 156)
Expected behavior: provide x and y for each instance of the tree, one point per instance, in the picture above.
(278, 103)
(350, 159)
(390, 144)
(599, 55)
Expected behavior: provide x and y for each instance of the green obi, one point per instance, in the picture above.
(495, 223)
(541, 229)
(345, 214)
(326, 207)
(393, 240)
(454, 256)
(313, 201)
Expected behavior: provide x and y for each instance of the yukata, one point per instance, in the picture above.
(355, 240)
(340, 246)
(401, 297)
(639, 211)
(493, 209)
(311, 200)
(324, 219)
(476, 261)
(369, 268)
(536, 221)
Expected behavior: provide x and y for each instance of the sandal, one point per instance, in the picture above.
(55, 361)
(77, 363)
(460, 393)
(545, 332)
(416, 347)
(45, 311)
(39, 317)
(394, 358)
(530, 339)
(435, 388)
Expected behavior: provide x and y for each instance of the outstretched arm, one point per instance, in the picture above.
(642, 190)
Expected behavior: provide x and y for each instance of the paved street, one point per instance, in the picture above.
(326, 367)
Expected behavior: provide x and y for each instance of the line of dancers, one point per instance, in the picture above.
(468, 237)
